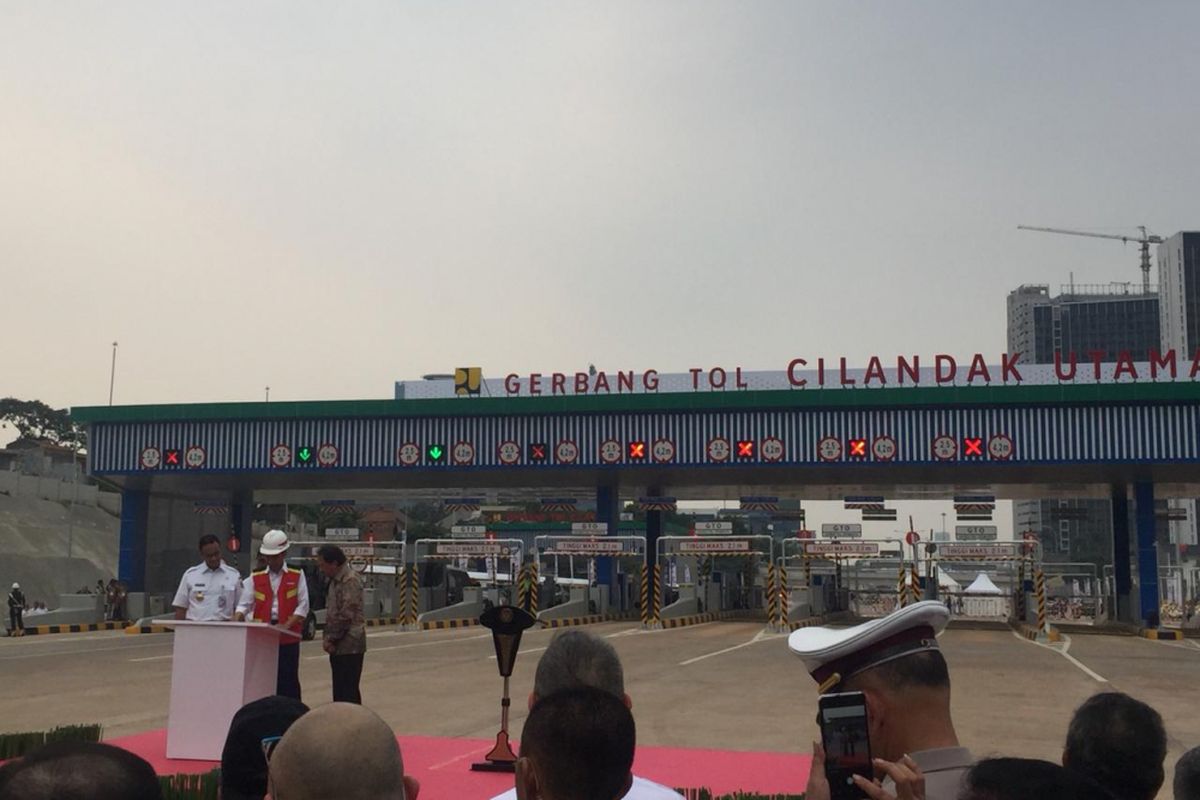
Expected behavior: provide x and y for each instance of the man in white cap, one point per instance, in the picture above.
(278, 595)
(895, 662)
(16, 608)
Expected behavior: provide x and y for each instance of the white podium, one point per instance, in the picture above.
(216, 668)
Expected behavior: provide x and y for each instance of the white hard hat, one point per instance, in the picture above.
(16, 585)
(274, 543)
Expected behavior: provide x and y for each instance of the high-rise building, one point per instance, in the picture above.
(1110, 318)
(1179, 318)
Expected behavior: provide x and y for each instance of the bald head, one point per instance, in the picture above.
(340, 750)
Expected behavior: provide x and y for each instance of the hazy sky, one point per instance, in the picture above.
(325, 199)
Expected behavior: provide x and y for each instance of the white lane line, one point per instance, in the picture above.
(625, 632)
(418, 644)
(88, 651)
(761, 636)
(1063, 652)
(531, 650)
(1167, 643)
(152, 658)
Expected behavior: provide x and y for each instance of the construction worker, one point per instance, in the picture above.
(16, 608)
(278, 595)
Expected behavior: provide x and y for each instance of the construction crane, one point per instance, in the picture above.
(1145, 241)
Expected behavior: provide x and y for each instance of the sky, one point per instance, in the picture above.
(327, 198)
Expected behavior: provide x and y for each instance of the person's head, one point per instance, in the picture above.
(80, 771)
(577, 744)
(330, 559)
(255, 726)
(1118, 742)
(339, 750)
(1027, 779)
(16, 585)
(895, 662)
(210, 551)
(577, 658)
(1187, 775)
(273, 549)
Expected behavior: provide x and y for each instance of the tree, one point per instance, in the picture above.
(33, 419)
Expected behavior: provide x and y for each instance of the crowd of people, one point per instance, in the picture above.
(579, 739)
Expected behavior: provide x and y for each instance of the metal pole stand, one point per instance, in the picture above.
(506, 624)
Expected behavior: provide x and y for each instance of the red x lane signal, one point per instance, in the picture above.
(973, 447)
(537, 452)
(745, 449)
(172, 458)
(637, 450)
(858, 448)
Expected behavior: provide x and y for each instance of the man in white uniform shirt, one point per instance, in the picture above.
(208, 592)
(578, 659)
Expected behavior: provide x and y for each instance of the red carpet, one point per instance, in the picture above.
(442, 765)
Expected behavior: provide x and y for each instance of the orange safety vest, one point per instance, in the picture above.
(289, 596)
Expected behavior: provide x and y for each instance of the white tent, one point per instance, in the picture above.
(983, 585)
(947, 583)
(984, 599)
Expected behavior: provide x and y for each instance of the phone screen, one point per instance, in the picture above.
(845, 737)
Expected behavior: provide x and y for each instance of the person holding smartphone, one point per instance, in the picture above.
(888, 678)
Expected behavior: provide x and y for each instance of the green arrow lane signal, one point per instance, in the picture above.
(435, 452)
(305, 454)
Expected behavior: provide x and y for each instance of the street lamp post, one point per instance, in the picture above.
(112, 375)
(268, 397)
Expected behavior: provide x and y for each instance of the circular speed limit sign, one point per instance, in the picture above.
(327, 455)
(663, 450)
(883, 448)
(829, 449)
(566, 452)
(408, 454)
(509, 452)
(771, 449)
(463, 453)
(281, 455)
(718, 449)
(944, 448)
(151, 457)
(194, 457)
(610, 451)
(1000, 447)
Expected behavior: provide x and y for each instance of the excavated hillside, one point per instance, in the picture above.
(33, 547)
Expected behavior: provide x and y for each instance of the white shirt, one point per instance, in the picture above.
(641, 789)
(209, 594)
(246, 606)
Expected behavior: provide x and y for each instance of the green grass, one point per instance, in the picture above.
(14, 745)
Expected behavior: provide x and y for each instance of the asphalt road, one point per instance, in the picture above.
(726, 685)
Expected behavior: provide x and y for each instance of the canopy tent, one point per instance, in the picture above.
(983, 585)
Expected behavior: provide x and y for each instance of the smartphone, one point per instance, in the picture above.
(844, 734)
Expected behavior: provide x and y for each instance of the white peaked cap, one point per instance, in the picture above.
(831, 655)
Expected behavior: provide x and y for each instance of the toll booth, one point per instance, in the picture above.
(860, 576)
(566, 570)
(459, 579)
(699, 574)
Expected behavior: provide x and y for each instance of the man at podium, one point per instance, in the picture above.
(208, 592)
(278, 595)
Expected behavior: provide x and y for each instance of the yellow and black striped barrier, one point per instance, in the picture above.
(1039, 578)
(447, 624)
(902, 587)
(784, 600)
(410, 618)
(1161, 634)
(43, 630)
(534, 587)
(772, 596)
(656, 597)
(135, 630)
(378, 622)
(915, 584)
(567, 622)
(645, 607)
